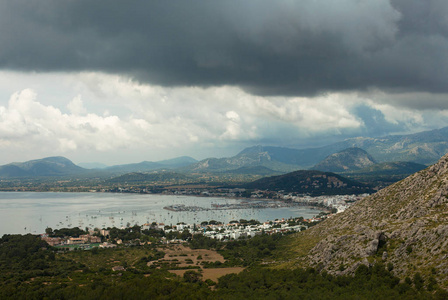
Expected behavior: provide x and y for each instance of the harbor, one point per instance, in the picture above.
(231, 206)
(28, 212)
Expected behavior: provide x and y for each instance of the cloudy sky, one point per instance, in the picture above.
(117, 81)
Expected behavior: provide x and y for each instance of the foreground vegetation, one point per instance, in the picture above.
(29, 269)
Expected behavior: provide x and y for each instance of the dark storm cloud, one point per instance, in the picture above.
(267, 47)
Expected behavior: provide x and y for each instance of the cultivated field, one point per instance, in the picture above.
(184, 257)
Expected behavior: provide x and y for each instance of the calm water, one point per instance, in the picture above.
(28, 212)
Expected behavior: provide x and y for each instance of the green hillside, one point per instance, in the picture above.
(310, 182)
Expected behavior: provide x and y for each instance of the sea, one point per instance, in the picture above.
(33, 212)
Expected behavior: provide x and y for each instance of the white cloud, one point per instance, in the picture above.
(116, 120)
(396, 115)
(46, 128)
(76, 106)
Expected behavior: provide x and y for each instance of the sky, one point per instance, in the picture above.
(118, 82)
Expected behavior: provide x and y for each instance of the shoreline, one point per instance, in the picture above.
(32, 212)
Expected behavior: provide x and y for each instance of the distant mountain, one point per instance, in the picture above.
(423, 148)
(247, 158)
(311, 182)
(350, 159)
(93, 165)
(134, 178)
(281, 154)
(256, 170)
(50, 166)
(403, 226)
(178, 161)
(58, 166)
(391, 168)
(144, 166)
(147, 166)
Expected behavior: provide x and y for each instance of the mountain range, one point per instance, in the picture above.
(357, 153)
(274, 158)
(422, 148)
(61, 166)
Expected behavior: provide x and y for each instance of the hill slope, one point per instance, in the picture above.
(346, 160)
(311, 182)
(256, 170)
(135, 178)
(405, 224)
(390, 168)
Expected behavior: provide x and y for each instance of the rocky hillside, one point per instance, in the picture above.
(350, 159)
(405, 226)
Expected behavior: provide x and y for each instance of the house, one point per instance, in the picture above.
(52, 241)
(95, 239)
(75, 241)
(107, 245)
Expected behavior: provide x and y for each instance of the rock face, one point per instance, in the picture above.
(405, 224)
(350, 159)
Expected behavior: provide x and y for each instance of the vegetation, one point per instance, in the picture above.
(311, 182)
(32, 270)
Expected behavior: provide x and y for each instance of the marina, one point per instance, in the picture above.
(30, 212)
(231, 206)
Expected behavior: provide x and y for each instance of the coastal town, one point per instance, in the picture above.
(179, 233)
(233, 230)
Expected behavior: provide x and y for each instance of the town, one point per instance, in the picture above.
(77, 239)
(161, 233)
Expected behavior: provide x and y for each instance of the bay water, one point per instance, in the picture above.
(33, 212)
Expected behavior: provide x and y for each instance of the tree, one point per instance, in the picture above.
(192, 276)
(418, 281)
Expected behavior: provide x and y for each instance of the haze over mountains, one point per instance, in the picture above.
(354, 154)
(423, 148)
